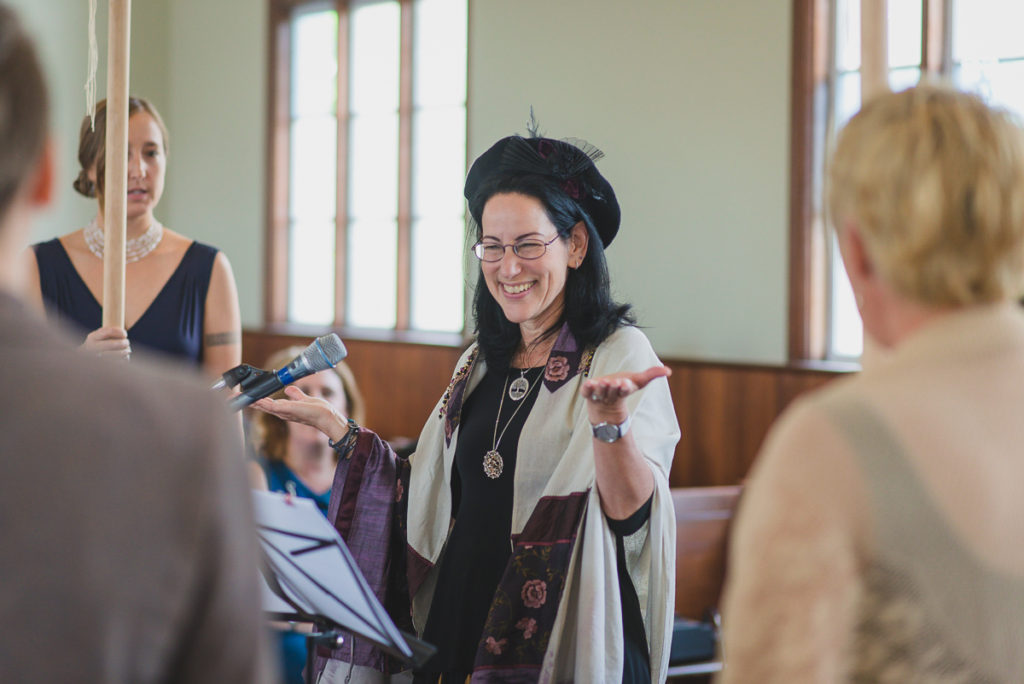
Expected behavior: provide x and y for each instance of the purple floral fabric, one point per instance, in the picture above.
(565, 361)
(368, 507)
(523, 613)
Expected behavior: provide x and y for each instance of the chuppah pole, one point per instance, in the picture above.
(115, 202)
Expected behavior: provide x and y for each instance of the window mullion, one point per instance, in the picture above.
(275, 305)
(935, 46)
(341, 212)
(874, 52)
(405, 108)
(807, 319)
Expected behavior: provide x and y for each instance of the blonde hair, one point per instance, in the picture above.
(933, 179)
(271, 433)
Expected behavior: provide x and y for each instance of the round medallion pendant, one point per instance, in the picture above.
(493, 464)
(518, 389)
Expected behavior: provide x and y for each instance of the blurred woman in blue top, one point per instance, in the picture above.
(297, 459)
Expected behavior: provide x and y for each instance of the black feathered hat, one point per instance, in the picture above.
(568, 163)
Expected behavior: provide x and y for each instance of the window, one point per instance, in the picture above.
(367, 161)
(971, 43)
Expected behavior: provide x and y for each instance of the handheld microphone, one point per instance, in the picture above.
(324, 352)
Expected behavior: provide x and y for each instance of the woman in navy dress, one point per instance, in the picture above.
(180, 294)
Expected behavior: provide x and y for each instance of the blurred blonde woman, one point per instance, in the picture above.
(880, 537)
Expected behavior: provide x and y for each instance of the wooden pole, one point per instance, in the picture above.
(115, 202)
(874, 49)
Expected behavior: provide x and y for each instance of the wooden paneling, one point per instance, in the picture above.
(703, 518)
(724, 413)
(401, 382)
(724, 410)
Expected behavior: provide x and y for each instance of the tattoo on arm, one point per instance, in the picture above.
(218, 339)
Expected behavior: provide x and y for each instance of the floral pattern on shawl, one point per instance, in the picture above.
(566, 360)
(451, 402)
(522, 616)
(368, 509)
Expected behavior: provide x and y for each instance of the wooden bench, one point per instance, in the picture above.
(703, 517)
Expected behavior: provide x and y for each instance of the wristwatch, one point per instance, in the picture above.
(610, 432)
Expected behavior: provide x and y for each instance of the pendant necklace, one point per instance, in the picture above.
(493, 463)
(519, 387)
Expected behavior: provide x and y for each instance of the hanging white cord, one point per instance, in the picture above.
(94, 57)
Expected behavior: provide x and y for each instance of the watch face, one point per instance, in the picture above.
(606, 432)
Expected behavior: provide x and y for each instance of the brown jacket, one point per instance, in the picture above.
(127, 551)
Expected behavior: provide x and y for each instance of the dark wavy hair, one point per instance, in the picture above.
(588, 308)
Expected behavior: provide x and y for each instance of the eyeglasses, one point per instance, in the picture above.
(524, 249)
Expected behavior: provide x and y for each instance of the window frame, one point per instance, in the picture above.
(276, 250)
(809, 236)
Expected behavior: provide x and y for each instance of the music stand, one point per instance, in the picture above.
(311, 575)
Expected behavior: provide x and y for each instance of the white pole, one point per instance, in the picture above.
(115, 202)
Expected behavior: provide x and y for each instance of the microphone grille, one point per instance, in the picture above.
(325, 352)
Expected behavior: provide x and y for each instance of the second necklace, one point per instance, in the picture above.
(493, 463)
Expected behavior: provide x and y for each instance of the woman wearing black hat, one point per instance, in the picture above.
(539, 525)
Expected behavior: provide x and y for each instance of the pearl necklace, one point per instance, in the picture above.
(135, 249)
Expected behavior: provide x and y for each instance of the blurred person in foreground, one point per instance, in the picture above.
(128, 551)
(879, 538)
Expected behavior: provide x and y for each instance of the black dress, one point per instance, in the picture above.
(480, 543)
(173, 323)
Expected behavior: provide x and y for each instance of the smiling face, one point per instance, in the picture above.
(531, 292)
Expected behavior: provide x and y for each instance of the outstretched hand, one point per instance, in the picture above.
(299, 407)
(606, 396)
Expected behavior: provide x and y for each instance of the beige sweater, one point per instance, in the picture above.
(881, 537)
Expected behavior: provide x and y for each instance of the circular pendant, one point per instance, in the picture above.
(493, 464)
(518, 389)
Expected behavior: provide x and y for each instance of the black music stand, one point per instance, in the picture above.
(310, 575)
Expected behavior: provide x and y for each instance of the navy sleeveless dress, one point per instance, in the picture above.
(173, 323)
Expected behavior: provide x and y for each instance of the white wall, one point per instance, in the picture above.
(688, 98)
(689, 101)
(61, 31)
(216, 108)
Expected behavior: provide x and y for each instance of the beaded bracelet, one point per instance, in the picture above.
(346, 444)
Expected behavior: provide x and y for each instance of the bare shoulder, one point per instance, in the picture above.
(223, 290)
(222, 267)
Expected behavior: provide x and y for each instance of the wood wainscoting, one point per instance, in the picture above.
(724, 409)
